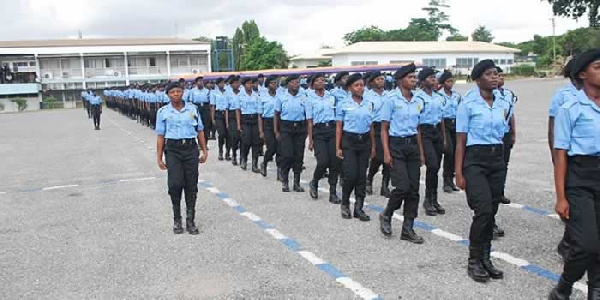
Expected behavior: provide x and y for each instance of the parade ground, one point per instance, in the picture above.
(85, 214)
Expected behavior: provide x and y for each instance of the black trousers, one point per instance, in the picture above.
(293, 141)
(324, 149)
(450, 125)
(96, 112)
(484, 170)
(222, 130)
(250, 136)
(377, 161)
(273, 145)
(234, 133)
(204, 110)
(405, 175)
(507, 141)
(583, 225)
(182, 164)
(153, 110)
(433, 145)
(356, 149)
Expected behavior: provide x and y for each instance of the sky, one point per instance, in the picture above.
(301, 26)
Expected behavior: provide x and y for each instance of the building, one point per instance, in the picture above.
(320, 58)
(460, 57)
(61, 69)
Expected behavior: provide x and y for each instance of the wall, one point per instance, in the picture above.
(33, 103)
(305, 63)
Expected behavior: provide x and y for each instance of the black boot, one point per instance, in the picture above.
(297, 187)
(408, 233)
(475, 269)
(385, 187)
(346, 212)
(279, 177)
(358, 210)
(227, 156)
(263, 169)
(255, 168)
(285, 186)
(452, 185)
(234, 160)
(504, 200)
(314, 193)
(487, 263)
(333, 197)
(177, 227)
(220, 158)
(369, 187)
(438, 208)
(562, 291)
(447, 187)
(190, 226)
(498, 232)
(243, 163)
(428, 206)
(385, 222)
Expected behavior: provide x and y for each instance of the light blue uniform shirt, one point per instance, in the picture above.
(484, 125)
(509, 97)
(357, 118)
(95, 100)
(378, 102)
(451, 104)
(576, 127)
(174, 124)
(562, 95)
(267, 105)
(249, 104)
(339, 94)
(320, 109)
(402, 114)
(291, 108)
(199, 96)
(219, 99)
(262, 90)
(432, 110)
(233, 100)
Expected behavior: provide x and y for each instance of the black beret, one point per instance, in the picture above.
(499, 69)
(426, 72)
(405, 70)
(219, 80)
(353, 78)
(367, 75)
(199, 78)
(445, 76)
(181, 79)
(270, 78)
(171, 86)
(254, 80)
(481, 67)
(246, 79)
(229, 78)
(291, 77)
(261, 75)
(314, 77)
(568, 67)
(339, 75)
(583, 60)
(374, 75)
(234, 79)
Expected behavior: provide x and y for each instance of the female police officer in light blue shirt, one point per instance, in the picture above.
(268, 96)
(247, 110)
(577, 177)
(355, 144)
(403, 153)
(481, 121)
(178, 126)
(451, 100)
(219, 105)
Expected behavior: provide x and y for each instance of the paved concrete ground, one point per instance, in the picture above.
(85, 214)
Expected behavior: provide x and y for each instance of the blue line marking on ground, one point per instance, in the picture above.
(542, 272)
(239, 209)
(536, 210)
(292, 244)
(331, 270)
(263, 225)
(222, 196)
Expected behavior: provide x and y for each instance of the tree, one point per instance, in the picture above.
(579, 40)
(263, 54)
(420, 29)
(365, 34)
(204, 39)
(237, 44)
(438, 18)
(250, 30)
(482, 34)
(577, 8)
(457, 38)
(243, 37)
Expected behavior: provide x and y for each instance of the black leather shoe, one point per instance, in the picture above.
(562, 291)
(243, 164)
(346, 212)
(429, 209)
(227, 157)
(498, 232)
(476, 271)
(447, 189)
(385, 225)
(454, 187)
(234, 161)
(369, 187)
(488, 266)
(439, 209)
(263, 169)
(255, 168)
(285, 187)
(220, 158)
(409, 234)
(313, 190)
(190, 227)
(361, 215)
(334, 199)
(504, 200)
(298, 188)
(177, 227)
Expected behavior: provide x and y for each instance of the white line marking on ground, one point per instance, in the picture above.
(311, 257)
(251, 216)
(2, 193)
(59, 187)
(276, 234)
(137, 179)
(515, 205)
(357, 288)
(447, 235)
(510, 259)
(213, 190)
(231, 202)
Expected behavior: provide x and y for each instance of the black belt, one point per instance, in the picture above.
(203, 104)
(325, 125)
(403, 140)
(585, 160)
(180, 141)
(450, 120)
(359, 136)
(250, 119)
(220, 112)
(490, 148)
(294, 123)
(428, 125)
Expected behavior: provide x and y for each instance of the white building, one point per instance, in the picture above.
(460, 57)
(320, 58)
(63, 68)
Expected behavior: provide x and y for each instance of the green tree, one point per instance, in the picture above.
(457, 38)
(365, 34)
(579, 40)
(482, 34)
(204, 39)
(420, 29)
(238, 48)
(577, 8)
(263, 54)
(438, 18)
(251, 31)
(243, 37)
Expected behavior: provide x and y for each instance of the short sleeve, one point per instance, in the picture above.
(212, 98)
(309, 110)
(200, 126)
(555, 104)
(387, 109)
(339, 112)
(278, 104)
(161, 126)
(462, 118)
(562, 129)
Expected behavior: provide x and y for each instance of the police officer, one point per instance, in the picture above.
(403, 153)
(199, 97)
(262, 84)
(178, 126)
(481, 121)
(576, 176)
(378, 96)
(247, 109)
(320, 115)
(355, 144)
(340, 91)
(451, 100)
(219, 105)
(231, 121)
(96, 108)
(86, 103)
(290, 129)
(434, 141)
(266, 126)
(511, 131)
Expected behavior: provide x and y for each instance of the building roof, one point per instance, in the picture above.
(320, 54)
(97, 42)
(424, 47)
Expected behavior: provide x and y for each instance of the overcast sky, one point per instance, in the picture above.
(301, 26)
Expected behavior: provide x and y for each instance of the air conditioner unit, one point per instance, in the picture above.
(65, 75)
(117, 74)
(195, 71)
(48, 75)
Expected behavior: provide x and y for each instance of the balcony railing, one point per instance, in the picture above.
(59, 74)
(19, 89)
(116, 72)
(147, 70)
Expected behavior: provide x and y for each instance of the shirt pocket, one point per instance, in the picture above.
(477, 120)
(584, 128)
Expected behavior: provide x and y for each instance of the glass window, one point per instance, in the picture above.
(371, 63)
(107, 63)
(495, 61)
(357, 63)
(152, 61)
(32, 63)
(509, 62)
(439, 63)
(503, 61)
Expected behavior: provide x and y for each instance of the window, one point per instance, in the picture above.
(503, 61)
(152, 61)
(182, 62)
(357, 63)
(371, 63)
(466, 62)
(107, 63)
(509, 62)
(495, 61)
(87, 63)
(32, 63)
(439, 63)
(400, 62)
